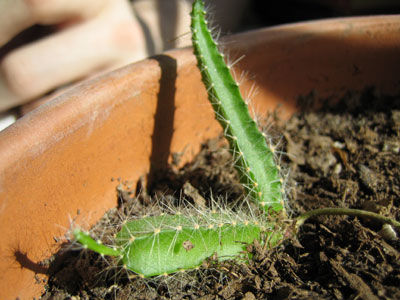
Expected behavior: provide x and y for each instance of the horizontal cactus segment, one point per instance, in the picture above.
(254, 159)
(179, 243)
(165, 244)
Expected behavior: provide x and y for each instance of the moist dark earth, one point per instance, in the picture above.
(347, 156)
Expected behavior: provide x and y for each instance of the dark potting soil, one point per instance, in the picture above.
(347, 156)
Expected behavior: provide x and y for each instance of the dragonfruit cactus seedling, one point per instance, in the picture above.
(160, 245)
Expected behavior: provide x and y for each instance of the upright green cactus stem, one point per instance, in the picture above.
(255, 161)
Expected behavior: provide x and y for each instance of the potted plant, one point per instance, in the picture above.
(60, 158)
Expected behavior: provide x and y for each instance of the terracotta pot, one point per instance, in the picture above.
(60, 158)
